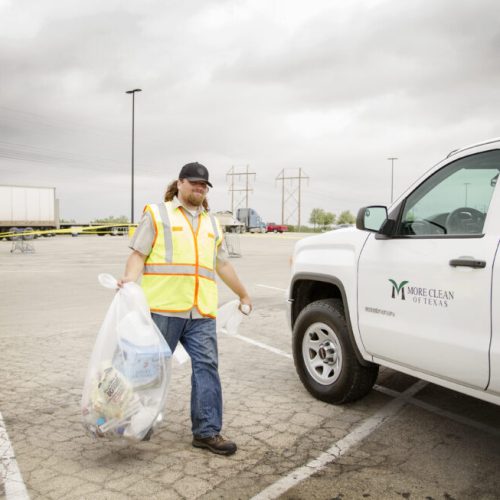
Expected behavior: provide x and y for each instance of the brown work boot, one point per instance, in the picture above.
(216, 444)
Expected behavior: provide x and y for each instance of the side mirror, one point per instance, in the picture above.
(372, 219)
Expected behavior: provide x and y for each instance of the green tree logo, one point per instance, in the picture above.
(398, 288)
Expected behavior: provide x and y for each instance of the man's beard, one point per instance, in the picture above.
(194, 200)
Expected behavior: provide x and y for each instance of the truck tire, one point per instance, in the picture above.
(324, 356)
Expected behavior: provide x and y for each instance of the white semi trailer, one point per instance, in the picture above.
(24, 207)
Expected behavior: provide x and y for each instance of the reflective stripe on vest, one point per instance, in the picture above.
(178, 269)
(179, 272)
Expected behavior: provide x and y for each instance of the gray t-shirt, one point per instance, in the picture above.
(143, 238)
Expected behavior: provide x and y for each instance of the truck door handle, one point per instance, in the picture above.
(477, 264)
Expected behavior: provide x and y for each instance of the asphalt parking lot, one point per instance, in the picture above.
(406, 439)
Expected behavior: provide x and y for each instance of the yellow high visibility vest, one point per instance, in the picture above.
(179, 272)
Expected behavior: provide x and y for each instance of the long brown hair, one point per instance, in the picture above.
(173, 190)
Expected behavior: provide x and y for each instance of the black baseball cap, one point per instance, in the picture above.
(195, 172)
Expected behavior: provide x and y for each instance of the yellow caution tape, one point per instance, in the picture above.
(68, 230)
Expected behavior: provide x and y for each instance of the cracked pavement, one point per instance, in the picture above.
(52, 307)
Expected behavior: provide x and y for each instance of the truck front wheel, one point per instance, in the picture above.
(324, 356)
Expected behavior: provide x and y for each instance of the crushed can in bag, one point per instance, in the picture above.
(126, 384)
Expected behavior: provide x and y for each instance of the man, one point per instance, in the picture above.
(177, 247)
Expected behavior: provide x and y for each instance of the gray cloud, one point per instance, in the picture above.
(332, 88)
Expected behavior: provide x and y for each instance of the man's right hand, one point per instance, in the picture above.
(133, 268)
(122, 281)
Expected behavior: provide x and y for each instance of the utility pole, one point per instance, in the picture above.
(231, 176)
(291, 194)
(283, 198)
(300, 178)
(133, 122)
(232, 192)
(246, 190)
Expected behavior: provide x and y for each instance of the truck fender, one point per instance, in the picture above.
(331, 280)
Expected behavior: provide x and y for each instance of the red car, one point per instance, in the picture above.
(276, 228)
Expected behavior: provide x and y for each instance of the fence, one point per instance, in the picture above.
(232, 243)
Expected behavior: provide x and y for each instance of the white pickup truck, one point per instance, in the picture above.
(415, 288)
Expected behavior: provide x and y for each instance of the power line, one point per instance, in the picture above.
(230, 176)
(53, 157)
(25, 121)
(28, 148)
(62, 124)
(291, 192)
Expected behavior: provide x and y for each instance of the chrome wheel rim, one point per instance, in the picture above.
(322, 353)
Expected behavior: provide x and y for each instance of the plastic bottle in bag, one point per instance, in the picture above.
(127, 379)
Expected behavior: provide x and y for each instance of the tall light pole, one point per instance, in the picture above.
(392, 176)
(133, 120)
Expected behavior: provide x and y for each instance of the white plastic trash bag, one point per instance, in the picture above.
(229, 317)
(126, 384)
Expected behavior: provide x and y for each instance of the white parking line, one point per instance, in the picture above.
(263, 346)
(10, 476)
(359, 433)
(340, 447)
(32, 271)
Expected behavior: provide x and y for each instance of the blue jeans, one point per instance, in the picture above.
(199, 339)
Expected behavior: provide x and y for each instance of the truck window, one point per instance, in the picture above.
(455, 200)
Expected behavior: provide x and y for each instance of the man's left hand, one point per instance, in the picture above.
(246, 301)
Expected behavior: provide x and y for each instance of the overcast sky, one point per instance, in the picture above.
(333, 88)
